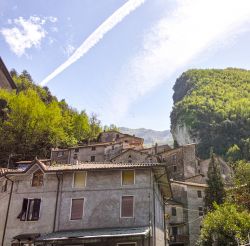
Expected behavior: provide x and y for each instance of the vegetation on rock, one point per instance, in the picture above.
(214, 104)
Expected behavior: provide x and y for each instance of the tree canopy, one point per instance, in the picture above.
(214, 105)
(226, 225)
(215, 191)
(32, 121)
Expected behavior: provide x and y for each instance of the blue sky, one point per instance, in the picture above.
(125, 71)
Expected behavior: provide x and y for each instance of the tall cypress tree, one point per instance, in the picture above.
(215, 191)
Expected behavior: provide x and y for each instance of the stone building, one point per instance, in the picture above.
(132, 155)
(6, 82)
(106, 204)
(185, 212)
(108, 145)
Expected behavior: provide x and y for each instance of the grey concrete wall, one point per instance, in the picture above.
(23, 189)
(4, 197)
(102, 203)
(102, 200)
(159, 218)
(194, 202)
(85, 153)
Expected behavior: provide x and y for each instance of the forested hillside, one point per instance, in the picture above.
(212, 107)
(32, 121)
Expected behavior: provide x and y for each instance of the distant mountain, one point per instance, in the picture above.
(150, 136)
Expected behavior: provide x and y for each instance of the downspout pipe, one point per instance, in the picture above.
(8, 209)
(57, 195)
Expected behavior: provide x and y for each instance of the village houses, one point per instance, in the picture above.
(108, 192)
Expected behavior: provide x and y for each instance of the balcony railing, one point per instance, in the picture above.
(179, 238)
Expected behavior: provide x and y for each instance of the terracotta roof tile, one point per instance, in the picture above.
(100, 165)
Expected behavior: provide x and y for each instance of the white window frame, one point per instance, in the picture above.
(121, 177)
(73, 180)
(76, 198)
(134, 243)
(121, 207)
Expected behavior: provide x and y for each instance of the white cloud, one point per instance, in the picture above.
(96, 36)
(25, 33)
(174, 41)
(68, 49)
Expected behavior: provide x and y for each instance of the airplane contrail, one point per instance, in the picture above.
(96, 36)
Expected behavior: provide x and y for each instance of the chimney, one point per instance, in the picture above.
(156, 148)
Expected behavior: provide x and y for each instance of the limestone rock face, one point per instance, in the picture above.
(181, 134)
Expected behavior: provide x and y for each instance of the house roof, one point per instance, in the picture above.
(92, 145)
(94, 233)
(7, 74)
(159, 169)
(134, 150)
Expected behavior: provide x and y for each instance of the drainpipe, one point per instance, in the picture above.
(154, 211)
(57, 194)
(8, 208)
(164, 222)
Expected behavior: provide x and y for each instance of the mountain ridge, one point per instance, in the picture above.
(150, 136)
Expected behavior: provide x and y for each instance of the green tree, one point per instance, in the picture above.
(214, 106)
(240, 192)
(215, 191)
(111, 127)
(226, 225)
(234, 153)
(32, 121)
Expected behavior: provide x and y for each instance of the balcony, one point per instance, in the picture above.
(179, 238)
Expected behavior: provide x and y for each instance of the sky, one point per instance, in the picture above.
(120, 58)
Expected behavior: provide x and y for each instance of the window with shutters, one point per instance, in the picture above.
(79, 179)
(128, 177)
(173, 211)
(77, 209)
(200, 211)
(127, 207)
(30, 210)
(37, 179)
(199, 194)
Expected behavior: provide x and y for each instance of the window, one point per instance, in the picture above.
(174, 230)
(93, 148)
(175, 168)
(79, 180)
(60, 153)
(113, 147)
(77, 209)
(30, 210)
(77, 150)
(92, 158)
(200, 211)
(128, 177)
(127, 207)
(37, 179)
(199, 194)
(174, 211)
